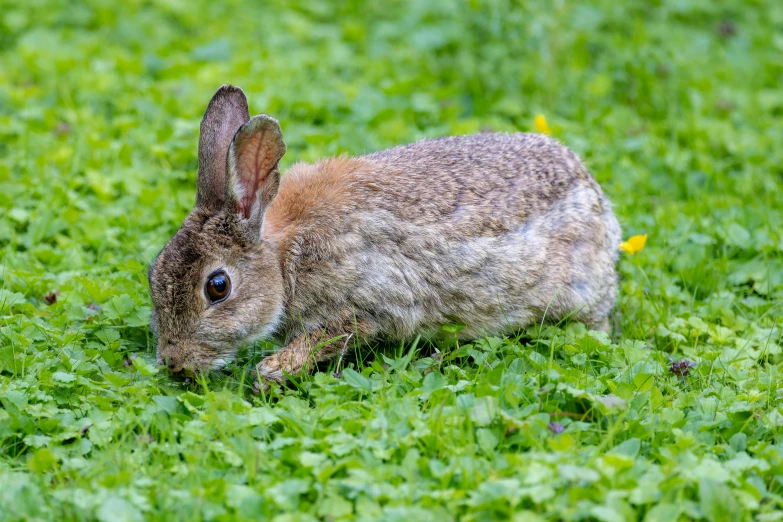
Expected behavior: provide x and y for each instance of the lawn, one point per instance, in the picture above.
(676, 106)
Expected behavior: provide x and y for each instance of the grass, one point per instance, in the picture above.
(675, 106)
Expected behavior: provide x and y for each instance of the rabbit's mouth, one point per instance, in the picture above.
(189, 358)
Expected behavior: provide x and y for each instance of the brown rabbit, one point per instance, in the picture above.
(495, 231)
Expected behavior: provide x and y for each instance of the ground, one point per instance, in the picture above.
(675, 106)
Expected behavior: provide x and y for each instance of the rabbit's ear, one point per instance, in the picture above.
(253, 172)
(226, 113)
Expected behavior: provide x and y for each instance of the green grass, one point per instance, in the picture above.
(676, 107)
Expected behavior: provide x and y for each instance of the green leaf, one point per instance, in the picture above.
(357, 380)
(63, 377)
(168, 404)
(143, 367)
(244, 500)
(483, 411)
(629, 448)
(453, 328)
(116, 509)
(190, 399)
(644, 382)
(108, 335)
(42, 461)
(433, 381)
(577, 473)
(309, 459)
(737, 235)
(606, 514)
(335, 507)
(717, 502)
(487, 440)
(119, 306)
(37, 441)
(663, 512)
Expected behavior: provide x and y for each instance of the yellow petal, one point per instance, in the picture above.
(634, 244)
(541, 125)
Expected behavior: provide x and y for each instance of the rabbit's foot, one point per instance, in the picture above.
(270, 369)
(291, 360)
(303, 353)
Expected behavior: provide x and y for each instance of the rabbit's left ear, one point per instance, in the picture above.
(226, 113)
(253, 171)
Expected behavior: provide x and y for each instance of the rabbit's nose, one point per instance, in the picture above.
(174, 362)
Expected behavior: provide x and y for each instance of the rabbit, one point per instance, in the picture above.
(495, 231)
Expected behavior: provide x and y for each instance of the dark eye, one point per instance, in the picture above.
(218, 287)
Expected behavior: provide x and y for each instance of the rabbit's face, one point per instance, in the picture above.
(216, 285)
(214, 290)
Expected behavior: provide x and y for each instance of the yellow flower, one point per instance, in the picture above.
(541, 125)
(634, 244)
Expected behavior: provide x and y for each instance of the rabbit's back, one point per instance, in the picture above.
(491, 230)
(478, 184)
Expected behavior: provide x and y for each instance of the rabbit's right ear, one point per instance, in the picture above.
(253, 168)
(226, 113)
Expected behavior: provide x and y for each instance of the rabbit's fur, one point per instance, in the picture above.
(495, 231)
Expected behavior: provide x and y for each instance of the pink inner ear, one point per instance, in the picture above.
(256, 159)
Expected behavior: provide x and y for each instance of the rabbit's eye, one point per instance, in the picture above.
(218, 287)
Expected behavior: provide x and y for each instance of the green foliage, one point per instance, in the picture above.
(674, 105)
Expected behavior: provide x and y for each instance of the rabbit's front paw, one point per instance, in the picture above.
(270, 369)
